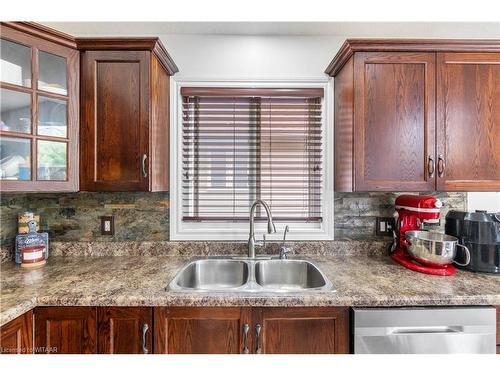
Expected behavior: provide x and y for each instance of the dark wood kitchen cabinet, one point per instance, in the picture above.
(202, 330)
(16, 336)
(39, 109)
(124, 330)
(303, 330)
(65, 330)
(468, 115)
(251, 330)
(124, 119)
(411, 118)
(393, 120)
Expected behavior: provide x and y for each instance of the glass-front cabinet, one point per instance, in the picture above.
(38, 110)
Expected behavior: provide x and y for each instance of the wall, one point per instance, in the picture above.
(484, 201)
(248, 57)
(144, 216)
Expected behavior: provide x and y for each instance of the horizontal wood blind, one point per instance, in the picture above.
(240, 145)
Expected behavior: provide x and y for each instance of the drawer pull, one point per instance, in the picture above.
(430, 166)
(145, 328)
(246, 328)
(143, 166)
(258, 349)
(441, 166)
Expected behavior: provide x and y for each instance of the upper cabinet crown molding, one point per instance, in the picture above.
(152, 44)
(351, 46)
(44, 32)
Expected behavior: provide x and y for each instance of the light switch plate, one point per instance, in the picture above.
(385, 226)
(107, 225)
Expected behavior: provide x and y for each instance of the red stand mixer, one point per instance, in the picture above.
(413, 212)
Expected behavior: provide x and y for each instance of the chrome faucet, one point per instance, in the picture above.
(270, 226)
(284, 250)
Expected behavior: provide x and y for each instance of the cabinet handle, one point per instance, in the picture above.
(145, 328)
(258, 349)
(430, 166)
(143, 166)
(441, 166)
(246, 328)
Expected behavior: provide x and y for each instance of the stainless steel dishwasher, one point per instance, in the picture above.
(426, 330)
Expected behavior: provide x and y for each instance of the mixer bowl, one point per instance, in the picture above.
(433, 249)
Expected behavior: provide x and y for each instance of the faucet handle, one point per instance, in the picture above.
(262, 243)
(284, 251)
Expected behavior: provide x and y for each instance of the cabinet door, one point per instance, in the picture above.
(39, 112)
(114, 121)
(302, 330)
(125, 330)
(16, 337)
(202, 330)
(468, 121)
(65, 330)
(394, 121)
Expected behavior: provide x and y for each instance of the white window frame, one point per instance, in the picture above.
(238, 231)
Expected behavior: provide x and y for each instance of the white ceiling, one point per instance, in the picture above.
(346, 29)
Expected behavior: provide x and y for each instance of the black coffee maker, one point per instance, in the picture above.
(480, 232)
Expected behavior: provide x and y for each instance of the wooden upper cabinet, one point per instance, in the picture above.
(411, 118)
(393, 121)
(39, 100)
(468, 118)
(125, 115)
(65, 330)
(125, 330)
(16, 336)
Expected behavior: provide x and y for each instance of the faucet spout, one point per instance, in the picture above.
(270, 225)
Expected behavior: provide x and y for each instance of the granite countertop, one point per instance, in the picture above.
(141, 281)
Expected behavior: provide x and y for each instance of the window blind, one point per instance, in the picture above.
(239, 145)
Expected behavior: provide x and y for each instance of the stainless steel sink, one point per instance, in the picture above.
(212, 274)
(250, 275)
(289, 275)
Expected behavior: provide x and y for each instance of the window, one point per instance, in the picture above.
(242, 144)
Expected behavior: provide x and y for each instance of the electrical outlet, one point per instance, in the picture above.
(107, 225)
(385, 226)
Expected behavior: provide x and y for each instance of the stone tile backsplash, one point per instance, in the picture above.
(74, 217)
(71, 217)
(355, 213)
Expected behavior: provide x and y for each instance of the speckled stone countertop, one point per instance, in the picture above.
(141, 281)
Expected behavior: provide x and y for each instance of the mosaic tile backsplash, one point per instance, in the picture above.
(74, 217)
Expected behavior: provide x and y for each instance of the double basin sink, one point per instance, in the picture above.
(250, 275)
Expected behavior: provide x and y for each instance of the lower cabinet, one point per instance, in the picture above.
(65, 330)
(205, 330)
(102, 330)
(179, 330)
(16, 337)
(124, 330)
(251, 330)
(301, 330)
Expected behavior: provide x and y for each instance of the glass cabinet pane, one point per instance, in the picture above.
(15, 161)
(52, 158)
(52, 117)
(15, 111)
(15, 63)
(52, 73)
